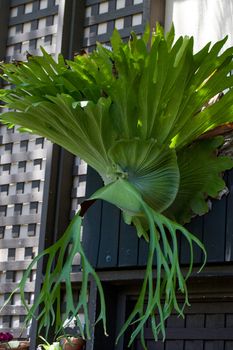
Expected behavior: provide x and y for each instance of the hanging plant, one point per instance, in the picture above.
(139, 115)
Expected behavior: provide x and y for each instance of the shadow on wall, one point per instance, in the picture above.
(206, 20)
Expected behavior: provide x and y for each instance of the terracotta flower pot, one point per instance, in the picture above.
(24, 345)
(74, 344)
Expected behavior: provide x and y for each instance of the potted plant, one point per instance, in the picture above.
(63, 343)
(72, 338)
(47, 346)
(73, 343)
(139, 114)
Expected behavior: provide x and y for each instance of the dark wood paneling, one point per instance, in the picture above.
(175, 322)
(208, 322)
(128, 246)
(109, 236)
(195, 333)
(194, 345)
(142, 252)
(173, 345)
(196, 227)
(228, 345)
(229, 219)
(92, 219)
(152, 346)
(195, 321)
(214, 231)
(100, 340)
(214, 345)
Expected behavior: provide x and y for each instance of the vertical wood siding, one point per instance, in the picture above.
(118, 246)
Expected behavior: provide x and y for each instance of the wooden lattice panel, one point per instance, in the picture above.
(22, 166)
(102, 17)
(32, 24)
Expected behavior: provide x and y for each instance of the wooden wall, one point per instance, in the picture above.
(115, 244)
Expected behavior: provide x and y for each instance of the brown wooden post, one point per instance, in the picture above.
(157, 12)
(4, 19)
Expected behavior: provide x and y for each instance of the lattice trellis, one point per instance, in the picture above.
(32, 24)
(103, 16)
(22, 165)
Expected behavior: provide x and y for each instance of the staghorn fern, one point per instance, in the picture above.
(138, 115)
